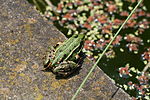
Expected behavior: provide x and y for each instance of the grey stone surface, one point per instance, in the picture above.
(24, 38)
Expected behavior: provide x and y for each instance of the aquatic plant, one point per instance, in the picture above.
(99, 20)
(141, 87)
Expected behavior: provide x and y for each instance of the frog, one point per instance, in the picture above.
(63, 58)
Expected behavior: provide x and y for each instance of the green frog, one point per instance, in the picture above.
(63, 59)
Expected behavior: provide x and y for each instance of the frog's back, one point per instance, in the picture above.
(65, 50)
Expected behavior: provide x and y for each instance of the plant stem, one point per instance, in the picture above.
(51, 5)
(146, 67)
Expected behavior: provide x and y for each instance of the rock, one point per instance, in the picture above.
(24, 38)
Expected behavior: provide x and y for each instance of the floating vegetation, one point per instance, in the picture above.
(124, 71)
(99, 21)
(146, 55)
(141, 87)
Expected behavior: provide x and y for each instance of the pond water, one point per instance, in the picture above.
(111, 66)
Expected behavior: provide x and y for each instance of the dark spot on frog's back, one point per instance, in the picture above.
(57, 45)
(65, 55)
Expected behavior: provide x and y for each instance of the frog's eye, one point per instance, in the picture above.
(50, 56)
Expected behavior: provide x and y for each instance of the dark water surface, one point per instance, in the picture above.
(110, 66)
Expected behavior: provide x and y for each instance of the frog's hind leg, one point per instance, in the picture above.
(65, 68)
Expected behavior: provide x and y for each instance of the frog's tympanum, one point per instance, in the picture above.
(63, 59)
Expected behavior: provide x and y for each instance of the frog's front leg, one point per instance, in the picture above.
(49, 57)
(65, 68)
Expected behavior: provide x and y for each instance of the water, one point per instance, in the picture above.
(111, 66)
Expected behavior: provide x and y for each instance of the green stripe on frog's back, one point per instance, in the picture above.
(60, 48)
(67, 48)
(67, 43)
(77, 49)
